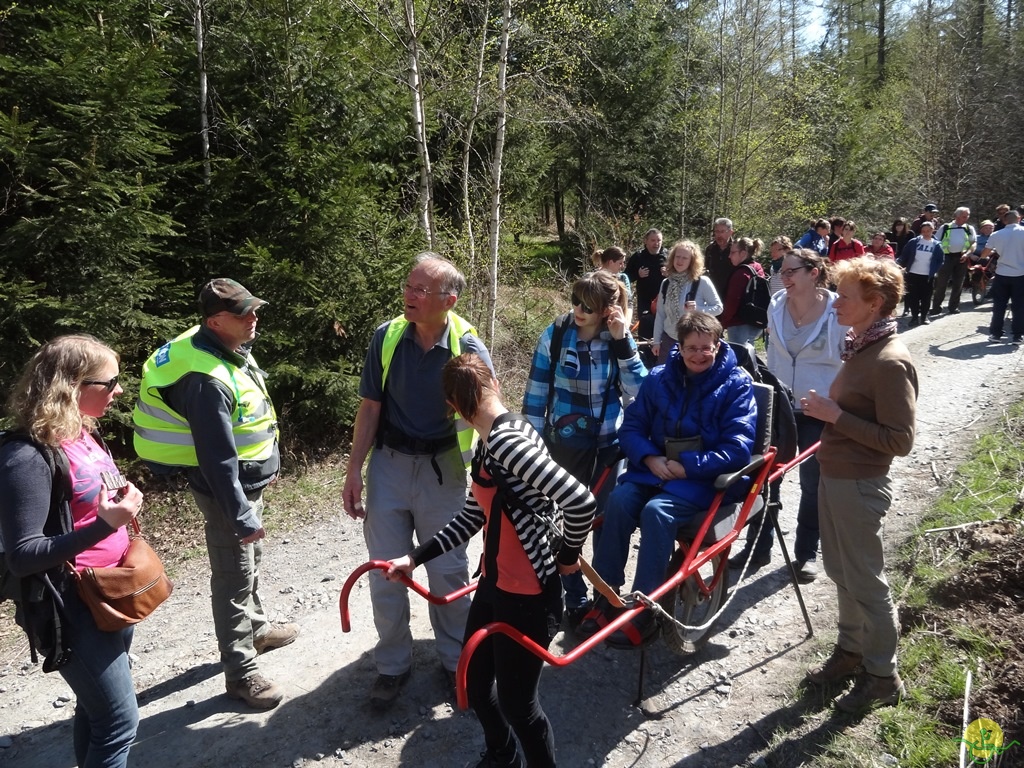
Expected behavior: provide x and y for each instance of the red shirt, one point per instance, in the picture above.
(840, 250)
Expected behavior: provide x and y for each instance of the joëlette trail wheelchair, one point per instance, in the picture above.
(691, 599)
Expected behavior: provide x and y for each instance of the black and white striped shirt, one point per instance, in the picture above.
(535, 480)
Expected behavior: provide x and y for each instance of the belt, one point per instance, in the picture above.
(403, 443)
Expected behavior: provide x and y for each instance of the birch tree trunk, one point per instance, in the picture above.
(496, 166)
(425, 203)
(204, 117)
(467, 146)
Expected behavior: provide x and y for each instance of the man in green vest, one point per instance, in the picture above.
(203, 406)
(416, 476)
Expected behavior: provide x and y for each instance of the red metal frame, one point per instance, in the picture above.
(696, 557)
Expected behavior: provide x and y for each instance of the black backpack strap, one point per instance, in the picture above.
(691, 295)
(554, 354)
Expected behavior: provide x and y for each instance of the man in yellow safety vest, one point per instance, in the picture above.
(416, 476)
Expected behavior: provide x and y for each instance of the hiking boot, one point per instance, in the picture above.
(994, 339)
(806, 571)
(256, 691)
(278, 636)
(508, 757)
(575, 616)
(840, 665)
(872, 691)
(385, 689)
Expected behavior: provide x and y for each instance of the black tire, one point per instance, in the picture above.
(687, 604)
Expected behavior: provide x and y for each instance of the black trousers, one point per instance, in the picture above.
(503, 677)
(919, 294)
(952, 271)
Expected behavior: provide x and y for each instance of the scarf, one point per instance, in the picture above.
(853, 343)
(678, 285)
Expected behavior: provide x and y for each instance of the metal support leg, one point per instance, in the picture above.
(771, 511)
(640, 682)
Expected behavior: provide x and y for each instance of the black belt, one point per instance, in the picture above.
(397, 440)
(403, 443)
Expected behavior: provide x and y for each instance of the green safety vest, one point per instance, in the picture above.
(457, 328)
(163, 436)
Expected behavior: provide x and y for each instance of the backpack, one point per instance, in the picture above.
(756, 298)
(784, 436)
(691, 295)
(38, 597)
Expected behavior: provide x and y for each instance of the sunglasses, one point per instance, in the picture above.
(108, 385)
(578, 302)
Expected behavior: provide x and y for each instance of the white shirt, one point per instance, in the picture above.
(1009, 243)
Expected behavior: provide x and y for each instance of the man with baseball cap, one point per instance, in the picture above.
(203, 407)
(928, 213)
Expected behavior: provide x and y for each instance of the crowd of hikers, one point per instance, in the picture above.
(639, 380)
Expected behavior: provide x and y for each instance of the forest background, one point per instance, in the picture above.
(309, 148)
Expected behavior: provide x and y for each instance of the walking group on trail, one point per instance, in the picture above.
(635, 404)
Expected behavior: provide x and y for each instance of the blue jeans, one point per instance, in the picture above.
(106, 710)
(1007, 290)
(808, 432)
(658, 516)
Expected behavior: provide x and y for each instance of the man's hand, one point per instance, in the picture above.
(352, 495)
(254, 537)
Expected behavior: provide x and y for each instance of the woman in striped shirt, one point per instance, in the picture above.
(518, 494)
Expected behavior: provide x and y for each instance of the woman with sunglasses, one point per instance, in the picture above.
(66, 386)
(516, 491)
(804, 348)
(585, 364)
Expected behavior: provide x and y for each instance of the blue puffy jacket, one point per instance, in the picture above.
(718, 405)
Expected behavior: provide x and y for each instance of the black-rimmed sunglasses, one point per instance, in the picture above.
(578, 302)
(108, 385)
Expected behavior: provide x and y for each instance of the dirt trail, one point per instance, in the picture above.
(718, 708)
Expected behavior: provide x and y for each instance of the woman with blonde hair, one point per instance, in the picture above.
(869, 416)
(585, 364)
(516, 494)
(685, 289)
(66, 386)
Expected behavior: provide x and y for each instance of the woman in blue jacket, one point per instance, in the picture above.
(693, 420)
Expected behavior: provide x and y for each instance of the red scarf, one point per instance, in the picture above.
(853, 343)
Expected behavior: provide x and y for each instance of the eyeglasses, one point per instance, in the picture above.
(108, 385)
(707, 349)
(578, 302)
(788, 273)
(422, 293)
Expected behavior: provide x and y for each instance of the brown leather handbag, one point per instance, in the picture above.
(125, 594)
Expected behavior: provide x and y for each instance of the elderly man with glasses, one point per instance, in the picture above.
(416, 475)
(203, 407)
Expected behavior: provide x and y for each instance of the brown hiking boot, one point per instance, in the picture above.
(385, 689)
(278, 636)
(256, 691)
(841, 664)
(872, 691)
